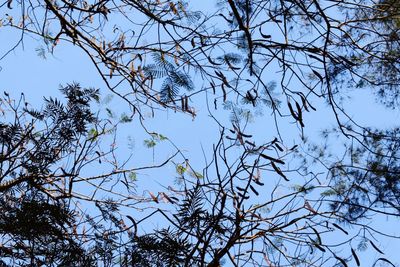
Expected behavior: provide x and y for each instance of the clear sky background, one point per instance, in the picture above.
(24, 71)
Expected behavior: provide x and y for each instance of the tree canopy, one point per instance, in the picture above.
(292, 176)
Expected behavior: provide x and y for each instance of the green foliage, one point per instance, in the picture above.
(41, 52)
(35, 219)
(329, 192)
(238, 114)
(110, 113)
(107, 99)
(174, 78)
(149, 143)
(191, 210)
(354, 186)
(230, 59)
(195, 174)
(133, 176)
(125, 118)
(162, 248)
(303, 189)
(93, 133)
(180, 169)
(155, 139)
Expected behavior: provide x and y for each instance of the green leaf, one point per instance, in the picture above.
(162, 137)
(41, 52)
(93, 133)
(159, 137)
(198, 175)
(150, 143)
(363, 245)
(110, 113)
(107, 99)
(180, 169)
(303, 189)
(125, 118)
(328, 193)
(195, 174)
(133, 176)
